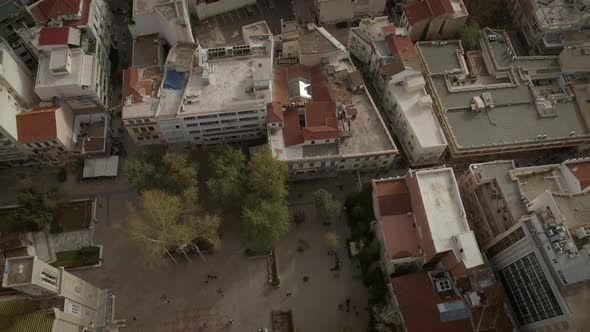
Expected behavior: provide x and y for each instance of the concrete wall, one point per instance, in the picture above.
(64, 122)
(16, 78)
(204, 10)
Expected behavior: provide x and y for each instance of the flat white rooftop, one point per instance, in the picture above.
(445, 214)
(417, 107)
(80, 75)
(230, 86)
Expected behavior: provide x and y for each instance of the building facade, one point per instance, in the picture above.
(393, 67)
(432, 19)
(170, 19)
(205, 9)
(531, 221)
(335, 11)
(55, 300)
(545, 24)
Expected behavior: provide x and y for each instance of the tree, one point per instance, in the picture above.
(332, 241)
(385, 318)
(266, 178)
(173, 172)
(163, 223)
(263, 225)
(36, 208)
(327, 207)
(265, 216)
(470, 35)
(226, 184)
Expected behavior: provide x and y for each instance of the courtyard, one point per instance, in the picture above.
(247, 300)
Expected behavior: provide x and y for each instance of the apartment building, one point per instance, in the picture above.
(323, 121)
(335, 11)
(50, 299)
(48, 132)
(208, 8)
(14, 19)
(532, 223)
(94, 21)
(432, 19)
(492, 102)
(67, 72)
(438, 279)
(141, 83)
(394, 70)
(546, 25)
(169, 18)
(16, 93)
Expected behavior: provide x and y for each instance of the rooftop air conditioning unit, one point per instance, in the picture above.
(583, 232)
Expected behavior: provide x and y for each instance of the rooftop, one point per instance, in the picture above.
(416, 104)
(18, 270)
(148, 51)
(45, 10)
(38, 125)
(80, 73)
(363, 130)
(173, 20)
(423, 308)
(445, 215)
(19, 314)
(516, 90)
(559, 13)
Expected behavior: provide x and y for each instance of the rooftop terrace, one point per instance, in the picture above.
(518, 90)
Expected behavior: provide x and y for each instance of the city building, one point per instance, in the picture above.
(93, 20)
(67, 72)
(548, 25)
(492, 102)
(532, 223)
(48, 132)
(207, 8)
(432, 19)
(395, 73)
(141, 83)
(169, 18)
(336, 11)
(439, 280)
(49, 299)
(323, 121)
(15, 18)
(16, 93)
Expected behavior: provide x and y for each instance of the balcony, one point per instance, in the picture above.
(91, 133)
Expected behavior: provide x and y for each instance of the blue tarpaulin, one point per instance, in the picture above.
(174, 80)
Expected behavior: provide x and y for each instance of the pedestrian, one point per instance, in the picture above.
(288, 294)
(134, 318)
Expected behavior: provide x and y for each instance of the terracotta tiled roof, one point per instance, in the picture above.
(44, 10)
(393, 197)
(274, 113)
(280, 93)
(37, 125)
(417, 12)
(321, 123)
(418, 301)
(400, 236)
(292, 130)
(83, 21)
(297, 71)
(54, 36)
(390, 28)
(581, 171)
(404, 51)
(319, 87)
(134, 87)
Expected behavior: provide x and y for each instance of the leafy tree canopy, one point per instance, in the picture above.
(327, 207)
(470, 35)
(36, 208)
(226, 184)
(265, 224)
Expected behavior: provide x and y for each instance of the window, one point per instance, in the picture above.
(49, 277)
(312, 142)
(150, 128)
(190, 118)
(74, 308)
(136, 130)
(143, 130)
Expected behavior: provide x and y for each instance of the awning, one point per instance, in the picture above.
(98, 167)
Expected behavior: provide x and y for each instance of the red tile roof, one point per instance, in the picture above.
(37, 125)
(280, 92)
(274, 113)
(401, 45)
(292, 130)
(83, 21)
(320, 121)
(44, 10)
(54, 36)
(133, 86)
(417, 12)
(418, 301)
(297, 71)
(393, 197)
(390, 28)
(319, 86)
(581, 171)
(400, 236)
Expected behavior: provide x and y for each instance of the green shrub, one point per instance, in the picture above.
(299, 217)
